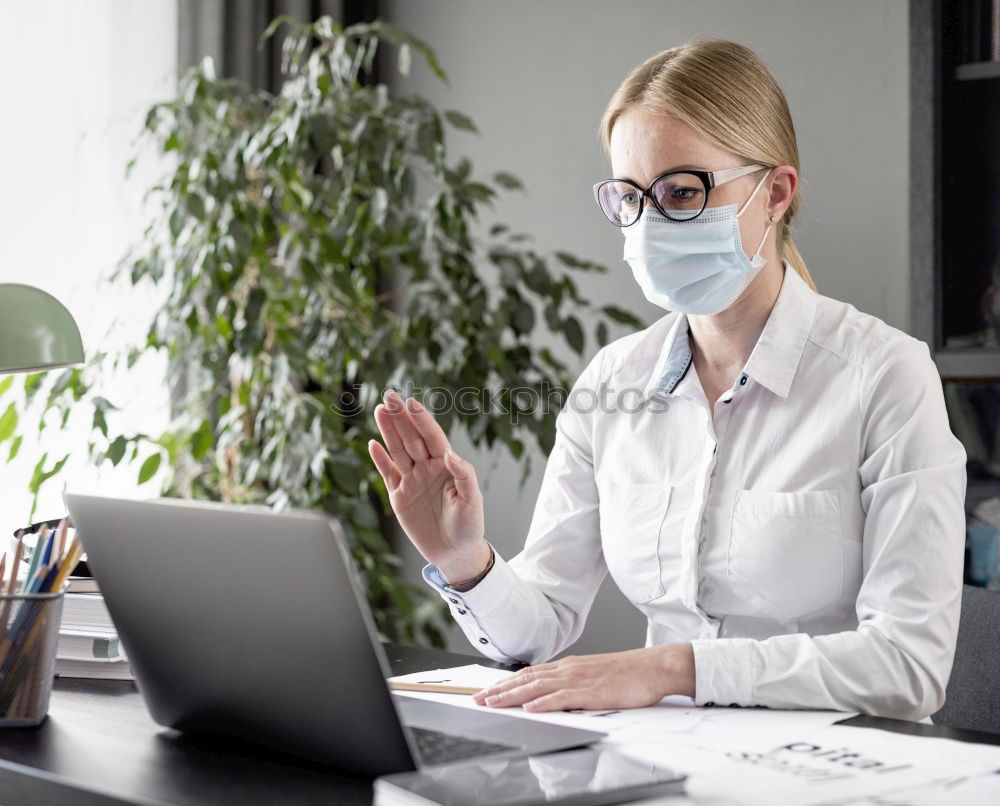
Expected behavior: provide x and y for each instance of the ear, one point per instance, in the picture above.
(784, 181)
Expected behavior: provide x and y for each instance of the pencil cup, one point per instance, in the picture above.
(30, 632)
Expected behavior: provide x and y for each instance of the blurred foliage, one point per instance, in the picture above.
(317, 247)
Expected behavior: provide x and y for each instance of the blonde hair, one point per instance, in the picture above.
(724, 91)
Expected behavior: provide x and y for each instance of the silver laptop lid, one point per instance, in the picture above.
(246, 621)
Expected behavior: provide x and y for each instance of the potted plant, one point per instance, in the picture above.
(316, 247)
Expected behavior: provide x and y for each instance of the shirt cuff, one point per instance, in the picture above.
(723, 669)
(491, 592)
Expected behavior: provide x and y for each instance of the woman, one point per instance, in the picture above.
(787, 505)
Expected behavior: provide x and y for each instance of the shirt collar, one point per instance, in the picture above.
(774, 358)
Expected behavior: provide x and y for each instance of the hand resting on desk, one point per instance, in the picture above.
(632, 679)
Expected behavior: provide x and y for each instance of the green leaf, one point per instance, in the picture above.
(149, 467)
(574, 333)
(39, 475)
(8, 422)
(507, 181)
(32, 381)
(621, 316)
(398, 36)
(602, 333)
(523, 319)
(5, 383)
(100, 421)
(15, 446)
(202, 440)
(460, 121)
(276, 23)
(116, 450)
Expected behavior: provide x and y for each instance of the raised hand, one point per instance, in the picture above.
(433, 491)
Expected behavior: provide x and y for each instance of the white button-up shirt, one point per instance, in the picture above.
(807, 541)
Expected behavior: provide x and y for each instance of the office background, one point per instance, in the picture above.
(535, 78)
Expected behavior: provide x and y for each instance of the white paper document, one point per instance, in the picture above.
(763, 756)
(472, 675)
(670, 714)
(834, 766)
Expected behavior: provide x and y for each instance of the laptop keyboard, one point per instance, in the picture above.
(435, 747)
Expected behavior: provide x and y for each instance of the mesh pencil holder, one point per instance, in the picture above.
(30, 626)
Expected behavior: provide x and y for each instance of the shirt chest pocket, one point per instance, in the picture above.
(640, 536)
(786, 552)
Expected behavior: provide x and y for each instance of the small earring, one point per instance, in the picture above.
(773, 218)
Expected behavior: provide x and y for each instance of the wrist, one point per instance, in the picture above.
(677, 669)
(470, 568)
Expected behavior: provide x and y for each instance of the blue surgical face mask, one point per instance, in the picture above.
(697, 267)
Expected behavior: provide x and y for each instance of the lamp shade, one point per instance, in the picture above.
(36, 331)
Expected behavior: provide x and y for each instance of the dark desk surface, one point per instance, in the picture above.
(99, 746)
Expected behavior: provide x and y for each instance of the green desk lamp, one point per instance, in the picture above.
(36, 331)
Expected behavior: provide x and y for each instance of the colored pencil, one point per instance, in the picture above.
(35, 556)
(5, 611)
(49, 545)
(63, 527)
(66, 567)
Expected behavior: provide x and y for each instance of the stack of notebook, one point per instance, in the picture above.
(88, 642)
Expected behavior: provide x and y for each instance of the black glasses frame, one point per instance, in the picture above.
(709, 179)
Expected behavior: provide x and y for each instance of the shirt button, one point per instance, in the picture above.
(461, 612)
(453, 601)
(483, 641)
(743, 380)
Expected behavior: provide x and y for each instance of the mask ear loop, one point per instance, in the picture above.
(747, 202)
(767, 229)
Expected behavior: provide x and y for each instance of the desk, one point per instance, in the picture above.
(99, 746)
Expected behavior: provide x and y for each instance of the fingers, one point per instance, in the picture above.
(527, 685)
(410, 437)
(387, 427)
(559, 701)
(386, 467)
(522, 677)
(434, 436)
(542, 693)
(464, 475)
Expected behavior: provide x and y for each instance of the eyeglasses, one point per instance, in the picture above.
(679, 195)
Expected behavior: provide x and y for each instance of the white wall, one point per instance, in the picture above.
(77, 79)
(536, 76)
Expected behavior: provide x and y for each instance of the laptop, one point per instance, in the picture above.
(240, 620)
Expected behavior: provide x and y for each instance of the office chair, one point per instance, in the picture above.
(973, 696)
